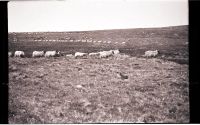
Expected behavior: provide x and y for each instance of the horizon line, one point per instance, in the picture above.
(102, 29)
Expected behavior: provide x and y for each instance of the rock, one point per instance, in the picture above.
(79, 86)
(122, 76)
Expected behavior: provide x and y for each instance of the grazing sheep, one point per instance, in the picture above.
(52, 53)
(19, 54)
(69, 55)
(80, 54)
(151, 53)
(105, 54)
(9, 54)
(38, 53)
(116, 52)
(94, 54)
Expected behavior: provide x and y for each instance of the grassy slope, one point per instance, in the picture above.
(171, 41)
(170, 32)
(45, 90)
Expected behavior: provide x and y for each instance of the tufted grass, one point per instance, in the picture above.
(63, 90)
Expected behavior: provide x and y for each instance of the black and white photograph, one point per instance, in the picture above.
(98, 61)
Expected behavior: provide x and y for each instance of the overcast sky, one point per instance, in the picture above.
(83, 15)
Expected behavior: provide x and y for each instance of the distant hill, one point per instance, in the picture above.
(180, 32)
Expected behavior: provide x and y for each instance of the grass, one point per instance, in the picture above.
(45, 91)
(172, 42)
(122, 89)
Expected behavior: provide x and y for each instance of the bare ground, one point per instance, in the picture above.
(119, 89)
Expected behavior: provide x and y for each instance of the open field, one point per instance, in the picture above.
(172, 42)
(45, 90)
(120, 89)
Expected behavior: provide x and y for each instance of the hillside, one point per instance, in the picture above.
(180, 32)
(172, 42)
(123, 88)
